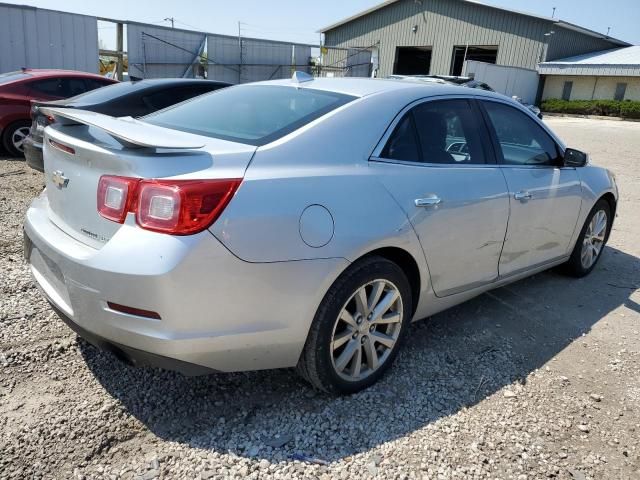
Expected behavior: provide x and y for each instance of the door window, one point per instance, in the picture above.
(73, 86)
(448, 132)
(522, 141)
(93, 83)
(443, 132)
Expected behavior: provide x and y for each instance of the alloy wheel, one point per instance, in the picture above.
(366, 330)
(594, 239)
(18, 137)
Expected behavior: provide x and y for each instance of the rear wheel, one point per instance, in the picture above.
(591, 242)
(14, 136)
(358, 328)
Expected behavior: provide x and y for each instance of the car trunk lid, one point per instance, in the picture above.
(82, 146)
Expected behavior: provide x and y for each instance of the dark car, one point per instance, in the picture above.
(133, 99)
(18, 89)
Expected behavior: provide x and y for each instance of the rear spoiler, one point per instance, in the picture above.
(128, 131)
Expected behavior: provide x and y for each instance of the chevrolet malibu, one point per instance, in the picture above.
(302, 223)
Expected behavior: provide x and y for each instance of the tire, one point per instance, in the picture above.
(332, 338)
(10, 134)
(575, 266)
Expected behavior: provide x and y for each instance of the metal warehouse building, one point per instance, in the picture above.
(436, 36)
(608, 75)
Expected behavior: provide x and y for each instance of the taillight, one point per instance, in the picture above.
(115, 196)
(177, 207)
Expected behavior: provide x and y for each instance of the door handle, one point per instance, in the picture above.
(522, 195)
(430, 201)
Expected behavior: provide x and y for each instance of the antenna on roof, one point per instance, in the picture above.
(553, 14)
(301, 77)
(608, 30)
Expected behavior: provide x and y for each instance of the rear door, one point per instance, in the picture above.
(441, 172)
(545, 197)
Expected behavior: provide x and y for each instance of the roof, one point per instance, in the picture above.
(362, 86)
(615, 62)
(556, 21)
(49, 72)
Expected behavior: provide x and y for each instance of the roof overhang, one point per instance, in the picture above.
(604, 70)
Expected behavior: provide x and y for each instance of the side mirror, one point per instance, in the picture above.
(574, 158)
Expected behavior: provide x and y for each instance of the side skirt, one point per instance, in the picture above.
(431, 304)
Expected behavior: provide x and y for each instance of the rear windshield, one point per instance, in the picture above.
(252, 114)
(103, 94)
(12, 76)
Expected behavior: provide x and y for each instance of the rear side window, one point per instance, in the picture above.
(403, 143)
(50, 86)
(252, 114)
(522, 141)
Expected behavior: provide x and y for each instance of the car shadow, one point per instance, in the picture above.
(451, 361)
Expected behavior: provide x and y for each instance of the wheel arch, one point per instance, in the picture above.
(613, 204)
(407, 263)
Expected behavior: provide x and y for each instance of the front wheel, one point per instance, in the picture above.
(592, 239)
(358, 328)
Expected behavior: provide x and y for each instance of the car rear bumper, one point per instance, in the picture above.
(33, 154)
(216, 311)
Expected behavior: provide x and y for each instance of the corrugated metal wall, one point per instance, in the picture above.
(252, 59)
(159, 52)
(443, 24)
(37, 38)
(566, 43)
(255, 60)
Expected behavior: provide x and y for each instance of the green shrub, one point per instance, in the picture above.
(609, 108)
(630, 109)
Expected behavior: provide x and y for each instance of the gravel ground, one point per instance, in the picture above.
(539, 379)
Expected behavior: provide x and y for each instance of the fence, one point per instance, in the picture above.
(345, 62)
(41, 38)
(155, 52)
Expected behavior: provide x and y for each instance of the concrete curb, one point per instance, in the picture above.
(592, 117)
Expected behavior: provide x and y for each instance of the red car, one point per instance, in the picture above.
(17, 89)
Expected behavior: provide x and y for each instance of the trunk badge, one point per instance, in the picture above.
(59, 180)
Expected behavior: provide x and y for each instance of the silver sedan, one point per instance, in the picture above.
(302, 223)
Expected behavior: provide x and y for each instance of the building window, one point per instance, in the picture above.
(566, 90)
(472, 52)
(621, 89)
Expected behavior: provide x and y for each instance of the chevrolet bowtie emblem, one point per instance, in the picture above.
(58, 179)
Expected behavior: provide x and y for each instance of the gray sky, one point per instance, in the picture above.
(298, 20)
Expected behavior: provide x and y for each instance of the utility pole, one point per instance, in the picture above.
(170, 19)
(240, 51)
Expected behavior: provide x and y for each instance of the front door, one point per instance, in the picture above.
(545, 198)
(436, 166)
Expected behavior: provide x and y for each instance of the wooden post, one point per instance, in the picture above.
(119, 49)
